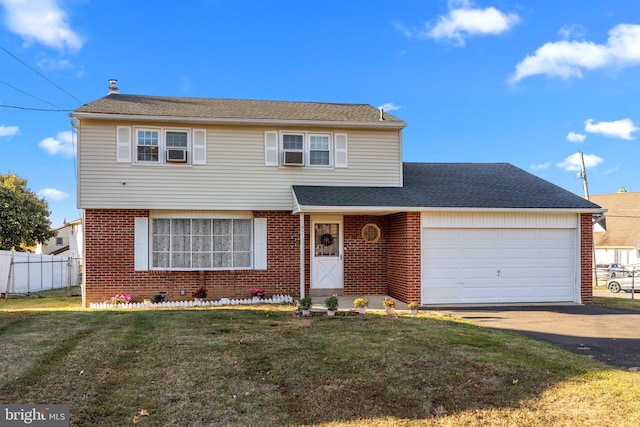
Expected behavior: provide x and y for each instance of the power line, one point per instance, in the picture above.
(35, 109)
(28, 94)
(39, 73)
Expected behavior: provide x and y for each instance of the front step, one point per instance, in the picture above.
(325, 292)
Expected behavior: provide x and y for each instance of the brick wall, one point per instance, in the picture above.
(365, 264)
(586, 259)
(109, 262)
(404, 256)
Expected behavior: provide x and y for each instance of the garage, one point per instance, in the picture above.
(475, 263)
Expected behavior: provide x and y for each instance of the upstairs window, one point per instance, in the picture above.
(305, 149)
(161, 145)
(293, 149)
(147, 145)
(177, 144)
(319, 150)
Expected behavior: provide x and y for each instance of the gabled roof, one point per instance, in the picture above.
(431, 186)
(623, 220)
(132, 107)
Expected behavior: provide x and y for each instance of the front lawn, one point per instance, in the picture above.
(260, 366)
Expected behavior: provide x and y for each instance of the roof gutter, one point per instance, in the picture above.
(238, 121)
(384, 210)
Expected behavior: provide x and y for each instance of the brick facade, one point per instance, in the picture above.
(404, 268)
(109, 262)
(391, 266)
(365, 264)
(586, 259)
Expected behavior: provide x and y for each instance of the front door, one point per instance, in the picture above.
(326, 254)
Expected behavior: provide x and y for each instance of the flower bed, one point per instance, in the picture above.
(276, 299)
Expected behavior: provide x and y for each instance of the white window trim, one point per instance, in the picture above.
(330, 149)
(306, 148)
(256, 251)
(162, 146)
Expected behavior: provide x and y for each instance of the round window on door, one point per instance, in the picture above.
(371, 233)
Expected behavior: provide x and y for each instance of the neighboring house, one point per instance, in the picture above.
(617, 236)
(311, 199)
(68, 241)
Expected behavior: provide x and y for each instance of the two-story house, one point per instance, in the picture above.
(310, 198)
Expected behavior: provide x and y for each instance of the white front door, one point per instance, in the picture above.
(326, 253)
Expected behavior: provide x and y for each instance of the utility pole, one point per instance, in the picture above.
(583, 175)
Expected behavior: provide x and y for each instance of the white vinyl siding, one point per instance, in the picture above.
(234, 178)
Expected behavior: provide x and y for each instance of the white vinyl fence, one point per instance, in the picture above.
(24, 272)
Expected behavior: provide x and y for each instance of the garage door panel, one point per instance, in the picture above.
(498, 265)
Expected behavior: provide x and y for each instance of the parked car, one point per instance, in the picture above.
(625, 282)
(609, 269)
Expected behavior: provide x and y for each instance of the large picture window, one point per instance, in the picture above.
(201, 244)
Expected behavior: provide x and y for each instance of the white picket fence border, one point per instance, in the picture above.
(276, 299)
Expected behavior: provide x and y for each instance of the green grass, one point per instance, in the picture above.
(57, 299)
(260, 366)
(619, 303)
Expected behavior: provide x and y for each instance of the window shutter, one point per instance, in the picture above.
(141, 244)
(271, 149)
(199, 147)
(341, 150)
(123, 144)
(260, 243)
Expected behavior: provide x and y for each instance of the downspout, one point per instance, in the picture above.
(302, 255)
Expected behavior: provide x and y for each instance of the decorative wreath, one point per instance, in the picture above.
(326, 239)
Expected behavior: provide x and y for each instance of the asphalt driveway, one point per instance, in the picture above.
(609, 335)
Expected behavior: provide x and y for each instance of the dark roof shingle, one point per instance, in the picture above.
(161, 106)
(452, 185)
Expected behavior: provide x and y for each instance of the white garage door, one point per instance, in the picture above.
(498, 265)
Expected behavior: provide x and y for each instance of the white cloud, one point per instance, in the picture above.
(617, 129)
(408, 33)
(390, 106)
(573, 162)
(572, 31)
(567, 59)
(576, 137)
(52, 194)
(54, 64)
(541, 166)
(463, 20)
(8, 130)
(63, 143)
(41, 21)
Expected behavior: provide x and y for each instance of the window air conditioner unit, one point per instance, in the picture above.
(176, 155)
(292, 158)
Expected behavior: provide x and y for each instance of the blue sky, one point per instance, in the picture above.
(532, 83)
